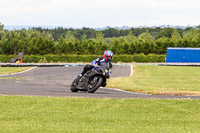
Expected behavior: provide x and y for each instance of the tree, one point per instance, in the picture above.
(116, 46)
(13, 40)
(99, 37)
(161, 45)
(130, 45)
(111, 32)
(191, 38)
(84, 44)
(130, 38)
(133, 47)
(176, 39)
(2, 36)
(166, 32)
(126, 48)
(145, 44)
(61, 48)
(91, 47)
(69, 37)
(1, 26)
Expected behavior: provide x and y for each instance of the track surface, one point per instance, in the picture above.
(55, 81)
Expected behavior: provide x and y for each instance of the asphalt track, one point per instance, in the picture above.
(55, 81)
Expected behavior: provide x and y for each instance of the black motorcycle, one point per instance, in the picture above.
(92, 80)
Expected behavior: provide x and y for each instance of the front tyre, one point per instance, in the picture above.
(73, 86)
(94, 84)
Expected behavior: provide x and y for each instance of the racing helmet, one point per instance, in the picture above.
(108, 55)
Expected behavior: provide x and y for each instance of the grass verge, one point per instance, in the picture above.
(9, 70)
(164, 80)
(53, 114)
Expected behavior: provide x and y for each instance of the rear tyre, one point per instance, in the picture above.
(73, 86)
(96, 85)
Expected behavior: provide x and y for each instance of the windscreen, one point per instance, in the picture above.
(105, 65)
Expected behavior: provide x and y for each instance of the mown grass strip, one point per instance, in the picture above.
(53, 114)
(9, 70)
(165, 80)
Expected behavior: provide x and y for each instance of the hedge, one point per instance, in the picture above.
(85, 58)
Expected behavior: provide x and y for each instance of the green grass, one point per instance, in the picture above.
(8, 70)
(170, 80)
(53, 114)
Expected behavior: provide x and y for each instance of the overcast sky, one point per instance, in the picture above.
(99, 13)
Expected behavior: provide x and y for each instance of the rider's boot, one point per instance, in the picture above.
(79, 76)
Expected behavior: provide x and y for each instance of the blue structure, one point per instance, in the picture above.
(183, 55)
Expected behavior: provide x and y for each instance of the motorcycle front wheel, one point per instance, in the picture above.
(73, 86)
(94, 84)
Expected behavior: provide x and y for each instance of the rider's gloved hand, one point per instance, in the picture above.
(109, 73)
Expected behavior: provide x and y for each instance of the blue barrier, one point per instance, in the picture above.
(183, 55)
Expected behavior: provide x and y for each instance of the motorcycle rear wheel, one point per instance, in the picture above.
(98, 84)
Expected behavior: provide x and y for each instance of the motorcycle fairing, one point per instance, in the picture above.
(83, 83)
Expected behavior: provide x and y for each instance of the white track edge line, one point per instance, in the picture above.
(131, 70)
(127, 91)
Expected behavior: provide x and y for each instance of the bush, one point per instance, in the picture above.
(85, 58)
(6, 58)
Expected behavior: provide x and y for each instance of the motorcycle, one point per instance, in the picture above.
(92, 79)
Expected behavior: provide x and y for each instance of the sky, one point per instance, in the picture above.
(100, 13)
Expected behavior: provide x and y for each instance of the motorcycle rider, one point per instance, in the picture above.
(108, 56)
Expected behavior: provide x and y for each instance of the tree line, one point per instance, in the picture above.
(85, 41)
